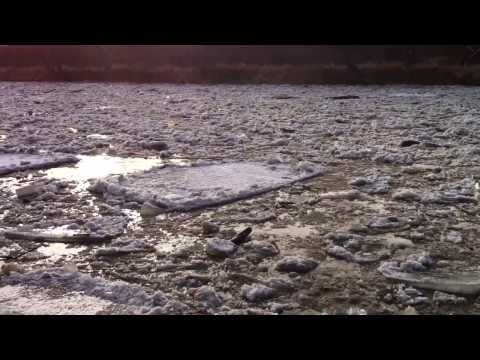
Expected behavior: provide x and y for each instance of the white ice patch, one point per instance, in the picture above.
(36, 301)
(296, 230)
(58, 250)
(98, 136)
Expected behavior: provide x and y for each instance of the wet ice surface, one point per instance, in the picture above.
(9, 184)
(415, 142)
(171, 242)
(100, 166)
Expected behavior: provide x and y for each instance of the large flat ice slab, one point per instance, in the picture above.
(175, 188)
(466, 283)
(15, 162)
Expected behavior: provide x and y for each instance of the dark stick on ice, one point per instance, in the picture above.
(242, 237)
